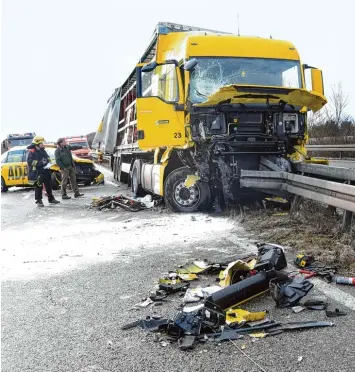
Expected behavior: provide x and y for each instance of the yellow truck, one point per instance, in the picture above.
(202, 105)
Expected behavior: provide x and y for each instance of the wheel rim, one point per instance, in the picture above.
(186, 196)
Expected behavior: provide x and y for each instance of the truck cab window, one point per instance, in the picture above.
(162, 82)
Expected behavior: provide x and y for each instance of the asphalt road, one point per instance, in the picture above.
(71, 275)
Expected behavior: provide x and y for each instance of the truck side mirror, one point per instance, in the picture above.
(317, 81)
(190, 64)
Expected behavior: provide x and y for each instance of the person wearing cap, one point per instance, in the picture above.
(38, 172)
(64, 160)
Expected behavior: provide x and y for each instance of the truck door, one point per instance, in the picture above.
(160, 109)
(14, 168)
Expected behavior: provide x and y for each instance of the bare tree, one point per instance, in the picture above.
(332, 124)
(335, 109)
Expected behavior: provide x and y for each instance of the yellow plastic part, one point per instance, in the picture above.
(296, 97)
(317, 161)
(169, 281)
(227, 275)
(188, 277)
(243, 316)
(191, 179)
(195, 268)
(257, 335)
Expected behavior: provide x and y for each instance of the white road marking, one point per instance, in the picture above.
(335, 293)
(111, 183)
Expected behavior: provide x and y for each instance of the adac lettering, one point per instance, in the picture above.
(17, 172)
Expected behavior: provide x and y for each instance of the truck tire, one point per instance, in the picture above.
(4, 188)
(136, 183)
(179, 198)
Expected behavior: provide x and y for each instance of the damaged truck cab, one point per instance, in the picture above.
(203, 105)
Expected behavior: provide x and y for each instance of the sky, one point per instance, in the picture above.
(62, 59)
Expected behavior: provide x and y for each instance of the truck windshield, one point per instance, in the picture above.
(210, 74)
(84, 145)
(19, 141)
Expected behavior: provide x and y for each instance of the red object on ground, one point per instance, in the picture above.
(308, 273)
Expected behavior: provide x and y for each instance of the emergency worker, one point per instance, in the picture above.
(38, 172)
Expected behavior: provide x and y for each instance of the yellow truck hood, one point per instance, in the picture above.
(259, 94)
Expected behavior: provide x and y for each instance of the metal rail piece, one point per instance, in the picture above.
(332, 193)
(343, 148)
(338, 173)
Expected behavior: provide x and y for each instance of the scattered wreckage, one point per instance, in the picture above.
(124, 202)
(218, 317)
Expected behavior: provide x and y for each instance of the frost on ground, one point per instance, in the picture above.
(314, 230)
(63, 244)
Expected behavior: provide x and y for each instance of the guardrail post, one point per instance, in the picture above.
(296, 201)
(347, 218)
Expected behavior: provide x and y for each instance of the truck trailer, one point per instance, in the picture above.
(202, 105)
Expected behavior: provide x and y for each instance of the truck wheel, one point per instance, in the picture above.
(56, 180)
(4, 188)
(180, 198)
(136, 184)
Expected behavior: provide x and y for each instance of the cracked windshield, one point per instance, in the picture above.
(211, 74)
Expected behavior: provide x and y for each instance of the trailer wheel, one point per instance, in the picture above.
(4, 188)
(136, 184)
(180, 198)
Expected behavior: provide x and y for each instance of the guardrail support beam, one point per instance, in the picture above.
(347, 219)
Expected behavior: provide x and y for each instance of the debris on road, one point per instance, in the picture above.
(297, 309)
(217, 315)
(314, 304)
(124, 202)
(335, 313)
(344, 280)
(288, 293)
(303, 260)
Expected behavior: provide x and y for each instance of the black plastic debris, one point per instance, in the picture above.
(270, 256)
(313, 304)
(243, 290)
(158, 295)
(173, 288)
(151, 324)
(303, 260)
(288, 293)
(292, 326)
(187, 342)
(190, 323)
(335, 313)
(227, 334)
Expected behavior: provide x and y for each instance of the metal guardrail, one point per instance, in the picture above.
(337, 194)
(325, 148)
(334, 173)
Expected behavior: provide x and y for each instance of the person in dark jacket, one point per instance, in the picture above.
(38, 173)
(64, 160)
